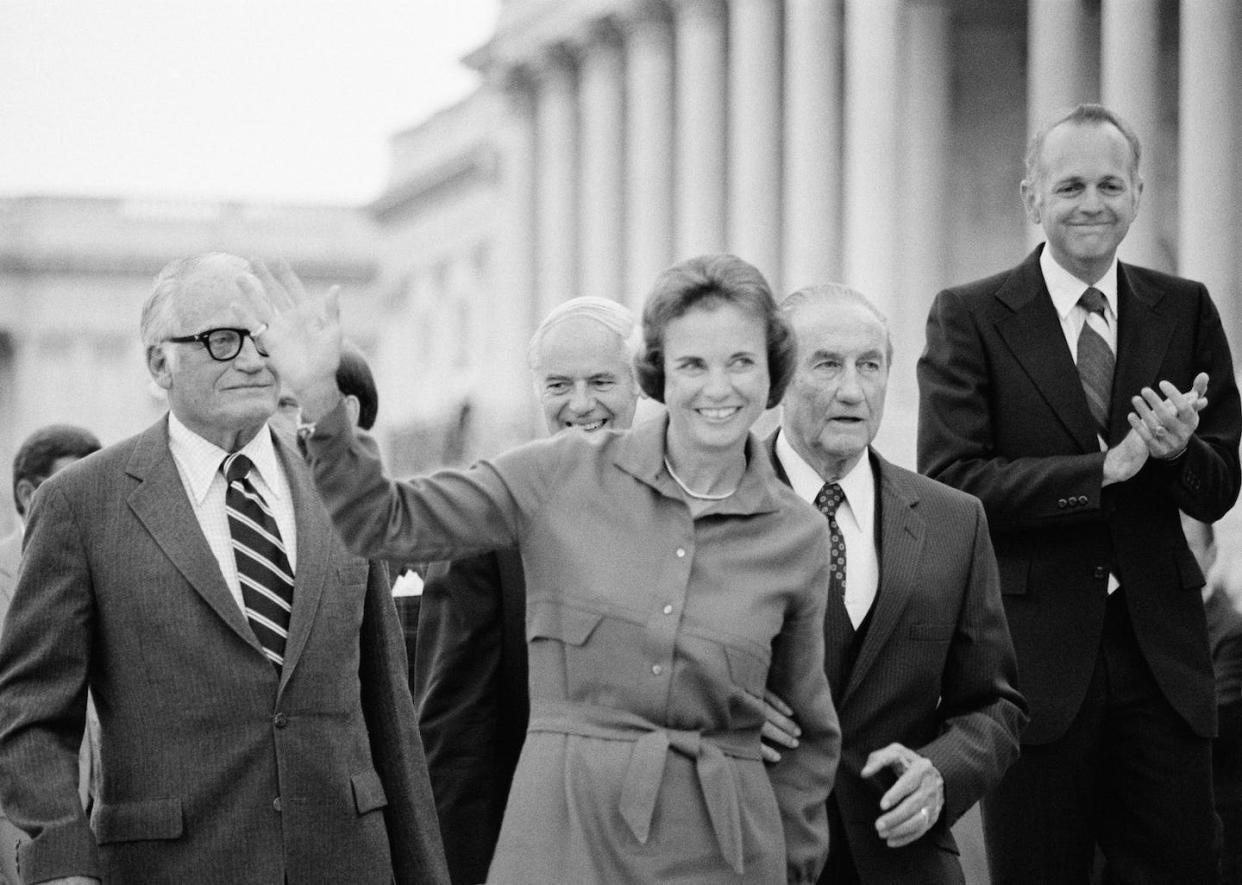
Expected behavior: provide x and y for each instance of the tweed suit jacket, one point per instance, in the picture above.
(215, 770)
(1002, 416)
(935, 671)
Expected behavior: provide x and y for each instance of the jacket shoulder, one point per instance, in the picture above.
(88, 478)
(927, 490)
(980, 293)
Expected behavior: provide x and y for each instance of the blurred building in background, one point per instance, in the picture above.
(875, 142)
(74, 273)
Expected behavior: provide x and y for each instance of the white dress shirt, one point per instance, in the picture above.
(198, 462)
(855, 518)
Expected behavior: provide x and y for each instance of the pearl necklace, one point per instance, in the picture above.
(693, 494)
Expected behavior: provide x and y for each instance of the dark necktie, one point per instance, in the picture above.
(1095, 362)
(839, 632)
(262, 565)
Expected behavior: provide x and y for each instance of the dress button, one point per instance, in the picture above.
(657, 669)
(280, 720)
(1062, 503)
(668, 609)
(1082, 499)
(681, 552)
(1100, 572)
(276, 804)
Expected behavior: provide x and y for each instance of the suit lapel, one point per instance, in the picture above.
(160, 503)
(315, 543)
(1143, 336)
(901, 544)
(1032, 331)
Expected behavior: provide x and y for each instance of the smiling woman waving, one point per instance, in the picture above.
(670, 578)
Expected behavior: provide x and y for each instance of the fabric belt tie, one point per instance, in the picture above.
(645, 771)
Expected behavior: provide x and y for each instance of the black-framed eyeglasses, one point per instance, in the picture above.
(223, 344)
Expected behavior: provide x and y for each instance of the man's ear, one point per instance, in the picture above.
(159, 364)
(24, 491)
(354, 407)
(1030, 200)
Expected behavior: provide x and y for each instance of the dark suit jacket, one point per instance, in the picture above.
(473, 698)
(214, 769)
(935, 671)
(1003, 416)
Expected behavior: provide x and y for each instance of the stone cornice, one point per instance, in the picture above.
(103, 263)
(479, 164)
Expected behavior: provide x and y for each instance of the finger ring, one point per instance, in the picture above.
(1160, 430)
(259, 331)
(926, 814)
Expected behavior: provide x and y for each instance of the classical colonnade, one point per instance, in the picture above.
(812, 137)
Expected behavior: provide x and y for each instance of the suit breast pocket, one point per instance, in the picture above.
(928, 632)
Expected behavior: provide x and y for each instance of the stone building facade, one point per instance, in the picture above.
(74, 273)
(875, 142)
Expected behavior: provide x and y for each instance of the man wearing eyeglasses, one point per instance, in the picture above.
(249, 672)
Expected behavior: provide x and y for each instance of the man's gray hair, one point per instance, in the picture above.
(835, 293)
(612, 315)
(157, 312)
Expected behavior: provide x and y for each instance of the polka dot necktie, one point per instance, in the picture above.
(827, 501)
(1095, 360)
(262, 564)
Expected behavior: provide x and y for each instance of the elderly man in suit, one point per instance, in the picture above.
(470, 669)
(249, 673)
(917, 649)
(40, 455)
(1068, 394)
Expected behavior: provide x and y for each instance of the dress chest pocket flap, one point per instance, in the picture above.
(551, 620)
(747, 670)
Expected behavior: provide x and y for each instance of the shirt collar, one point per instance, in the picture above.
(858, 484)
(200, 459)
(1066, 289)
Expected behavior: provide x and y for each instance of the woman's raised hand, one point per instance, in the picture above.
(299, 332)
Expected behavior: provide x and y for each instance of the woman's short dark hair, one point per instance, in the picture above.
(710, 280)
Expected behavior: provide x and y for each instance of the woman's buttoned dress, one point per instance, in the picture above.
(652, 635)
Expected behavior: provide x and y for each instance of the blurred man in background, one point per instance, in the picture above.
(44, 452)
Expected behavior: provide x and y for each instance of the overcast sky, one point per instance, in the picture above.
(241, 99)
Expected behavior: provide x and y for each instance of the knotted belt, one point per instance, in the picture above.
(645, 771)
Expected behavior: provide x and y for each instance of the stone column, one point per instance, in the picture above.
(649, 148)
(601, 105)
(873, 175)
(920, 258)
(813, 116)
(511, 276)
(755, 134)
(700, 128)
(1130, 85)
(557, 170)
(1207, 168)
(1061, 63)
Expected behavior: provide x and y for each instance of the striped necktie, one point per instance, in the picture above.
(1095, 361)
(262, 564)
